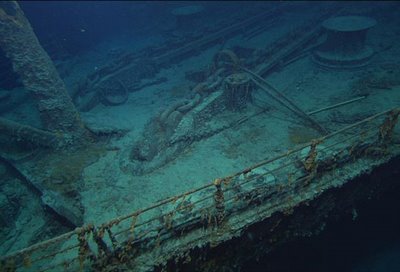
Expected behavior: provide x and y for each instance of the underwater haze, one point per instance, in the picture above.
(199, 135)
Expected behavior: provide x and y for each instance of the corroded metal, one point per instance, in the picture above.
(219, 202)
(237, 91)
(37, 72)
(386, 129)
(219, 205)
(345, 44)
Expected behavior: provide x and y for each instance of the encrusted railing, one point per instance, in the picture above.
(207, 214)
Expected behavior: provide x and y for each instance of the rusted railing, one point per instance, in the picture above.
(202, 213)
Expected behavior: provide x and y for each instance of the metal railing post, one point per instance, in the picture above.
(219, 202)
(387, 127)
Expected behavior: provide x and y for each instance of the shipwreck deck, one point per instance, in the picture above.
(225, 208)
(306, 137)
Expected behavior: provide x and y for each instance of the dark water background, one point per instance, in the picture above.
(371, 243)
(59, 24)
(77, 26)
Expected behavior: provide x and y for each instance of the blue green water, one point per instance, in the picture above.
(69, 30)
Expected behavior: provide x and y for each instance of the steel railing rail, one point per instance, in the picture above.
(23, 257)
